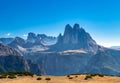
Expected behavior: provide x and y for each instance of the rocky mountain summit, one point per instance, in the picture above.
(75, 38)
(42, 38)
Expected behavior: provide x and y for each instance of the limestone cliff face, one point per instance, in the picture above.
(67, 34)
(76, 38)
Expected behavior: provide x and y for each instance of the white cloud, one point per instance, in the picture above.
(25, 36)
(109, 44)
(8, 34)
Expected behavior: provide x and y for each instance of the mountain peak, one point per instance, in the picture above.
(19, 39)
(31, 34)
(76, 38)
(31, 37)
(68, 26)
(59, 39)
(76, 26)
(68, 29)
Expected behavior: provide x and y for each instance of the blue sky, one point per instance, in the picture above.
(101, 18)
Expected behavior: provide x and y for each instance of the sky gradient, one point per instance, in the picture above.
(101, 18)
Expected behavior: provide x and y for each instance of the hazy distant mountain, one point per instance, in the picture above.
(6, 40)
(26, 45)
(11, 60)
(32, 37)
(115, 47)
(47, 40)
(42, 38)
(17, 41)
(75, 38)
(33, 43)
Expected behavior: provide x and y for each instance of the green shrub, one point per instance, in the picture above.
(11, 76)
(20, 75)
(27, 74)
(88, 77)
(3, 76)
(100, 75)
(38, 75)
(76, 76)
(48, 79)
(70, 77)
(39, 78)
(93, 75)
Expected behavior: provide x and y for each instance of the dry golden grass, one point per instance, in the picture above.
(62, 79)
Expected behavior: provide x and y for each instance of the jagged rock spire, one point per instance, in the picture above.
(76, 38)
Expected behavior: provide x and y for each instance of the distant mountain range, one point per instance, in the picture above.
(6, 40)
(33, 43)
(115, 47)
(71, 53)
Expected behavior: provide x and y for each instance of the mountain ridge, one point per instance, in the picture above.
(12, 60)
(74, 52)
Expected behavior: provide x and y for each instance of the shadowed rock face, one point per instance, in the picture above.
(11, 60)
(75, 38)
(60, 64)
(31, 37)
(67, 34)
(106, 61)
(5, 51)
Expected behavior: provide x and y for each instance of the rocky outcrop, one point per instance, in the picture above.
(11, 60)
(31, 37)
(75, 38)
(5, 51)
